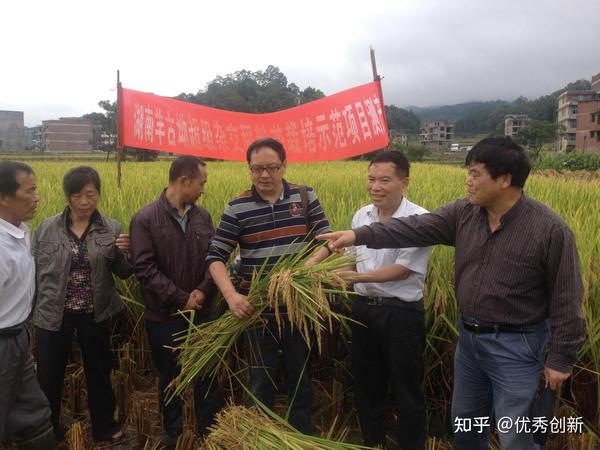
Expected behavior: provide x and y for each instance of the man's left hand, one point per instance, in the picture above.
(554, 378)
(123, 243)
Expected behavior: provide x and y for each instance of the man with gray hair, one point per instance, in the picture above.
(24, 410)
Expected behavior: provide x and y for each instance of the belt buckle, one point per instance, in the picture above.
(474, 327)
(374, 301)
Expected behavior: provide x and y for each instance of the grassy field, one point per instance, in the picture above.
(341, 187)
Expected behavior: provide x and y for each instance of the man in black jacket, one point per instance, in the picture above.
(169, 242)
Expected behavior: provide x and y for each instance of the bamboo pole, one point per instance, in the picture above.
(376, 76)
(118, 128)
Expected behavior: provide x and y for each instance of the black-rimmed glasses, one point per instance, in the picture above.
(271, 170)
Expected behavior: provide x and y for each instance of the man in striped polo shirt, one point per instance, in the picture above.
(267, 222)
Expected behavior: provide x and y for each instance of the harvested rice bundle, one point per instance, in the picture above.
(241, 428)
(301, 289)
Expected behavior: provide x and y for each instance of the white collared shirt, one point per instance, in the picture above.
(17, 274)
(414, 258)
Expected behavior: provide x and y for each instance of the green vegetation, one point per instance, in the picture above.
(252, 92)
(401, 120)
(536, 133)
(568, 161)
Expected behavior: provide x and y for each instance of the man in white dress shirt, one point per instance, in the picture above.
(388, 347)
(24, 410)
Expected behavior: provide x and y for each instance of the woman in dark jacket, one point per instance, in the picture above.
(76, 254)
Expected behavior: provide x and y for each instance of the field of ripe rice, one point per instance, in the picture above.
(341, 188)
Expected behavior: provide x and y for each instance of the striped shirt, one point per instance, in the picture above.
(524, 272)
(265, 231)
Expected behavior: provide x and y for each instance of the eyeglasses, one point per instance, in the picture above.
(271, 170)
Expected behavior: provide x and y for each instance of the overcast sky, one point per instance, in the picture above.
(59, 58)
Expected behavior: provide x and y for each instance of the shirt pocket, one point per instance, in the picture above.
(522, 258)
(50, 263)
(202, 239)
(103, 247)
(46, 251)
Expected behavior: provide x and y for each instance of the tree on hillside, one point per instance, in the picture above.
(253, 92)
(488, 117)
(537, 133)
(400, 119)
(309, 94)
(104, 133)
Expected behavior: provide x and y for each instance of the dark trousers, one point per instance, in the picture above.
(24, 411)
(389, 348)
(208, 399)
(264, 345)
(53, 349)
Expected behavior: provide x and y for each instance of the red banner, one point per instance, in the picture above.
(342, 125)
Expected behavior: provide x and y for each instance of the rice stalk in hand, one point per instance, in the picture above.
(291, 284)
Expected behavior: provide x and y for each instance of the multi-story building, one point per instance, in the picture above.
(67, 134)
(513, 124)
(12, 131)
(588, 125)
(587, 137)
(567, 116)
(596, 82)
(439, 133)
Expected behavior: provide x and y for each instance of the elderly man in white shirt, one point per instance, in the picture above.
(24, 410)
(389, 340)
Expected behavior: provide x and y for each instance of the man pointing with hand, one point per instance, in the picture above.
(518, 286)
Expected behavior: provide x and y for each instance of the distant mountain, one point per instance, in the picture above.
(488, 117)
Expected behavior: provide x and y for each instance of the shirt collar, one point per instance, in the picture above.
(167, 205)
(373, 212)
(284, 194)
(515, 209)
(96, 218)
(16, 232)
(186, 210)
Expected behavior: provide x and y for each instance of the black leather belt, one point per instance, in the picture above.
(11, 331)
(483, 329)
(392, 301)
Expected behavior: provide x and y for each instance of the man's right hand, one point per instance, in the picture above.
(239, 305)
(338, 240)
(194, 302)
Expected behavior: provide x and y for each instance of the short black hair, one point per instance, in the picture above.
(273, 144)
(8, 176)
(397, 158)
(78, 177)
(186, 165)
(501, 156)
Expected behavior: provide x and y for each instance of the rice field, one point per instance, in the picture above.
(341, 188)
